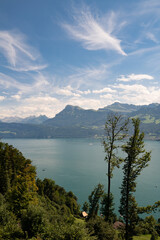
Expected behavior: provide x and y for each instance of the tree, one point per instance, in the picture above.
(85, 206)
(17, 177)
(137, 159)
(115, 130)
(104, 205)
(94, 199)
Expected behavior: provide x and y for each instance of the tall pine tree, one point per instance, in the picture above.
(137, 159)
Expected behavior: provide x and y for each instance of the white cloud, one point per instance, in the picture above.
(7, 81)
(2, 98)
(104, 90)
(90, 32)
(107, 96)
(143, 51)
(88, 76)
(20, 56)
(28, 68)
(152, 37)
(11, 45)
(84, 92)
(86, 103)
(38, 83)
(148, 6)
(66, 91)
(134, 77)
(137, 94)
(36, 105)
(16, 97)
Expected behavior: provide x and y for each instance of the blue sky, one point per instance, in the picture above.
(86, 53)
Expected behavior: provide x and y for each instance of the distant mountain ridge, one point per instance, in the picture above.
(74, 115)
(74, 121)
(31, 119)
(122, 107)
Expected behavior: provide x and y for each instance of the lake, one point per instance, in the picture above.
(78, 165)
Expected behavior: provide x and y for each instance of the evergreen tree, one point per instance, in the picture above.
(137, 159)
(104, 205)
(94, 200)
(115, 130)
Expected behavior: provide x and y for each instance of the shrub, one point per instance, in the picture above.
(9, 226)
(101, 229)
(34, 220)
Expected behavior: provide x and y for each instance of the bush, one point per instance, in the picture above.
(34, 221)
(9, 226)
(154, 235)
(101, 229)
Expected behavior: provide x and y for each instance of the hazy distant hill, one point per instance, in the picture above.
(31, 119)
(21, 130)
(121, 107)
(74, 121)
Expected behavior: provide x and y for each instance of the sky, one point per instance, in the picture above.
(88, 53)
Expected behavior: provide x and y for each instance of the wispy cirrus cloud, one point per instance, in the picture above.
(91, 33)
(134, 77)
(19, 55)
(39, 84)
(88, 76)
(28, 68)
(152, 37)
(148, 6)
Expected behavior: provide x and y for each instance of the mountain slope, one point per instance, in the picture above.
(74, 121)
(76, 116)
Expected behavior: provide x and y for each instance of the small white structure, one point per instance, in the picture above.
(84, 214)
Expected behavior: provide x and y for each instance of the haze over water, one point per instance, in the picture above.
(78, 165)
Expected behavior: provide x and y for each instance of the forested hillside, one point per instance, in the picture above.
(31, 208)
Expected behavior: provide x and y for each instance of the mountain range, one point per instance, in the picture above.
(74, 121)
(30, 119)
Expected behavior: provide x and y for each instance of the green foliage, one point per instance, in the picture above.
(154, 235)
(58, 195)
(94, 200)
(31, 209)
(77, 231)
(9, 226)
(115, 130)
(104, 207)
(17, 177)
(143, 237)
(148, 226)
(101, 229)
(34, 220)
(137, 159)
(85, 207)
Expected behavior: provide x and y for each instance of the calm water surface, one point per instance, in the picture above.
(78, 165)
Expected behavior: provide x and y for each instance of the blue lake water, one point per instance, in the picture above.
(78, 165)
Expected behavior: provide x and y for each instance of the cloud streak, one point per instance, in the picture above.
(19, 55)
(91, 33)
(134, 77)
